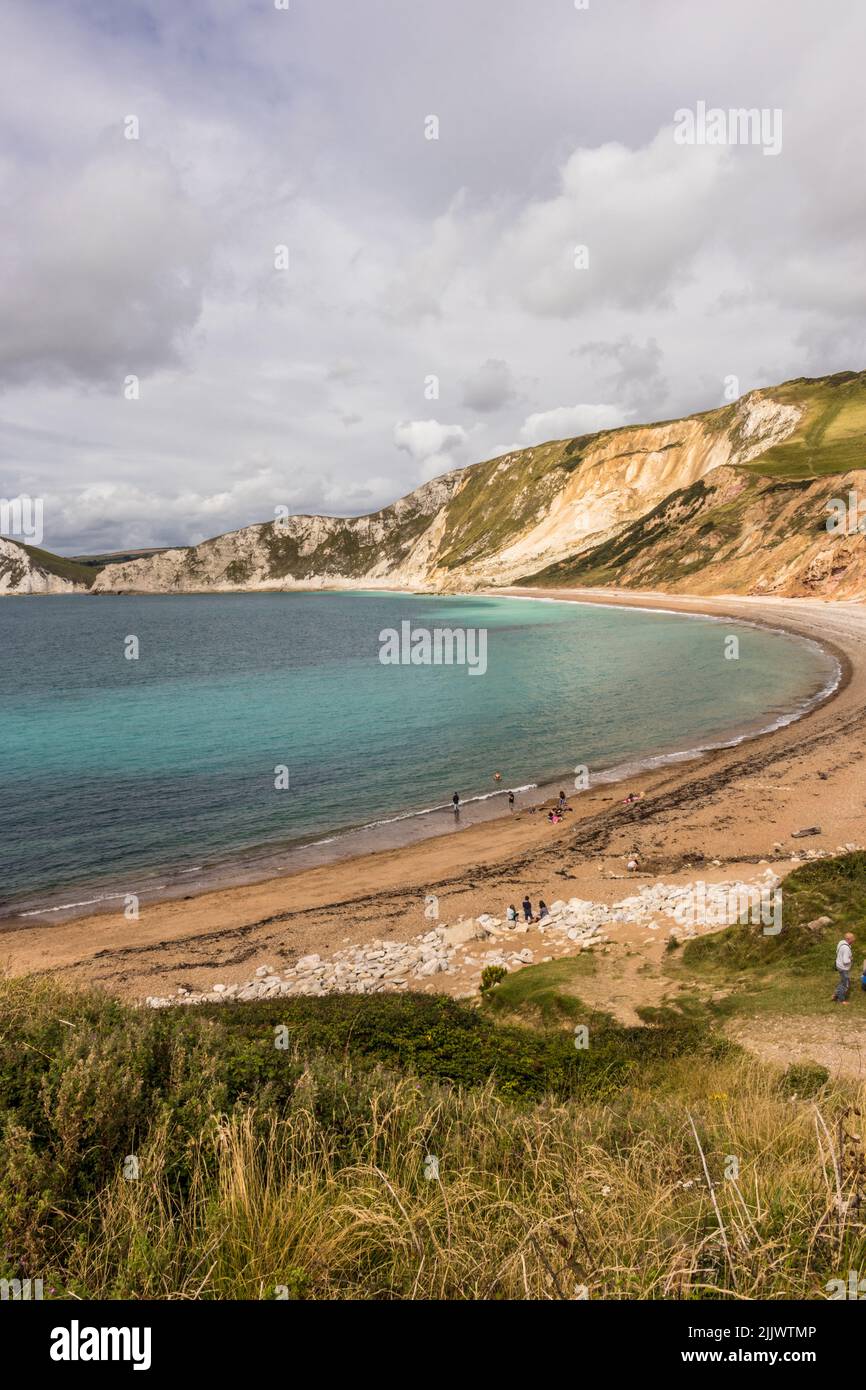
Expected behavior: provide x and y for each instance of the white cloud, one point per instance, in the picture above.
(423, 438)
(569, 420)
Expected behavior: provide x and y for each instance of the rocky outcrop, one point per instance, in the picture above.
(390, 547)
(20, 573)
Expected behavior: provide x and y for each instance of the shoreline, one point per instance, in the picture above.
(382, 893)
(275, 860)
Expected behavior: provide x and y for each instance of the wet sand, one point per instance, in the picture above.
(731, 804)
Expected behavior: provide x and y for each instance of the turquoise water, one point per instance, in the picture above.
(120, 772)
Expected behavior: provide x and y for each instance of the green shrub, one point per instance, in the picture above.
(491, 976)
(804, 1079)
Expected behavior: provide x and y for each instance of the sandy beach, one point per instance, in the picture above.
(740, 806)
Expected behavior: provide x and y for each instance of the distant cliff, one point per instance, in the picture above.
(734, 499)
(24, 569)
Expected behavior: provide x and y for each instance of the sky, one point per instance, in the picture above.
(312, 256)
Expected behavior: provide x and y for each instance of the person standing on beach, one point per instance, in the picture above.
(527, 910)
(511, 801)
(455, 802)
(844, 958)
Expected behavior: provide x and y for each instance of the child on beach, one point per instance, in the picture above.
(527, 910)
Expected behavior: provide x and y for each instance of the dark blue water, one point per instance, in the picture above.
(114, 770)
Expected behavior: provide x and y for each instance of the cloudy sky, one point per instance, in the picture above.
(433, 310)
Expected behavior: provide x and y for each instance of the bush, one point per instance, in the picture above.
(804, 1079)
(491, 976)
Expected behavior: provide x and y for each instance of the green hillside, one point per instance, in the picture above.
(831, 438)
(64, 568)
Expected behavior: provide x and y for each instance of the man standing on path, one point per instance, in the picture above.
(843, 965)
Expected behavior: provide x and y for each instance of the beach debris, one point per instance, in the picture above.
(809, 830)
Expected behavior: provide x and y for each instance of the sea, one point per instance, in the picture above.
(158, 745)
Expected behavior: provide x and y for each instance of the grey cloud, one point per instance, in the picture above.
(105, 275)
(636, 379)
(491, 387)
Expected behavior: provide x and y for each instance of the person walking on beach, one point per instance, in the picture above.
(844, 958)
(527, 910)
(455, 802)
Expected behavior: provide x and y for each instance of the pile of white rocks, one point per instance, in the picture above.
(373, 969)
(582, 921)
(797, 856)
(397, 965)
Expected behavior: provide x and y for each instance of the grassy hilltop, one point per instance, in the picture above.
(305, 1170)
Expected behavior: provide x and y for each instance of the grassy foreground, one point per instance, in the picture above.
(287, 1150)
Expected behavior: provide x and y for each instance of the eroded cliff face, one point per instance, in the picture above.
(478, 526)
(607, 482)
(21, 574)
(732, 500)
(734, 532)
(308, 552)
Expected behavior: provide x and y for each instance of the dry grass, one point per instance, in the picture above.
(546, 1202)
(302, 1174)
